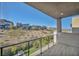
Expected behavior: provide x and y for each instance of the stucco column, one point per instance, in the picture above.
(59, 29)
(59, 25)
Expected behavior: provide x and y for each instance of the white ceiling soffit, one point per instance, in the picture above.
(56, 9)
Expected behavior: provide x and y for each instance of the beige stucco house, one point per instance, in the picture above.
(75, 24)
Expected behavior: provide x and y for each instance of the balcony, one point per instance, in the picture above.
(59, 44)
(67, 44)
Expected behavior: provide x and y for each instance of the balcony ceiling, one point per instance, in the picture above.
(56, 9)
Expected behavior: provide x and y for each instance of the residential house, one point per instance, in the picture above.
(75, 24)
(5, 24)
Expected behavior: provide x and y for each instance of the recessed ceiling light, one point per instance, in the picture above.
(61, 14)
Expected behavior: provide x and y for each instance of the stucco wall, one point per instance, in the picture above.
(75, 30)
(70, 39)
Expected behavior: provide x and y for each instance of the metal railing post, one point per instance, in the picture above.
(41, 46)
(1, 51)
(28, 48)
(48, 42)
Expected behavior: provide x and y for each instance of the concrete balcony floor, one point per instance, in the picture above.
(61, 50)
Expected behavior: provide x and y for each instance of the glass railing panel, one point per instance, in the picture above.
(28, 47)
(34, 46)
(15, 50)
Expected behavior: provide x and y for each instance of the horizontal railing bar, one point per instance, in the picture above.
(22, 42)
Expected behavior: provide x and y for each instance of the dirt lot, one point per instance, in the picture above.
(14, 36)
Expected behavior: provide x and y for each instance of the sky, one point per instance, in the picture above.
(23, 13)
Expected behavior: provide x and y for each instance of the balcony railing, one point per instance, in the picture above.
(26, 47)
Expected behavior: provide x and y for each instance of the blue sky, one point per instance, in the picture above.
(20, 12)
